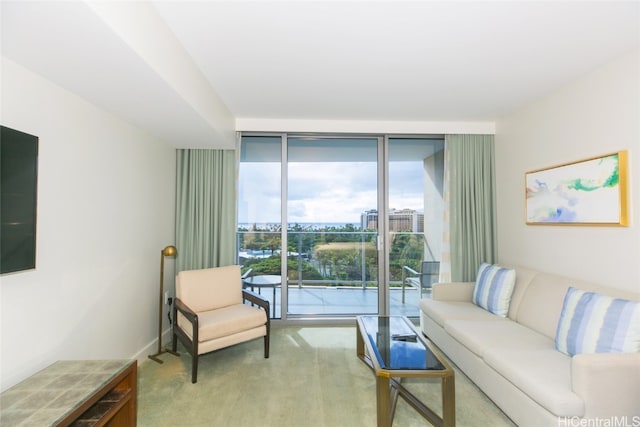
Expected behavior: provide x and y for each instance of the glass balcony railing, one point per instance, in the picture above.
(329, 258)
(321, 262)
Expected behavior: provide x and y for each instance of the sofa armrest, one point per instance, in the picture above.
(453, 291)
(609, 383)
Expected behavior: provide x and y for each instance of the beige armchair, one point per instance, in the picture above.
(210, 312)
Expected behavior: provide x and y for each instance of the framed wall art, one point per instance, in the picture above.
(586, 192)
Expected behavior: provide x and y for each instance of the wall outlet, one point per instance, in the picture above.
(166, 298)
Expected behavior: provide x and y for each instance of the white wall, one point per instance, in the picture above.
(362, 126)
(106, 196)
(597, 114)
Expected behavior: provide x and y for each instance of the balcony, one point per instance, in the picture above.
(342, 301)
(333, 272)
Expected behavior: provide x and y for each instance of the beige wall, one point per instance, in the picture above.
(106, 196)
(597, 114)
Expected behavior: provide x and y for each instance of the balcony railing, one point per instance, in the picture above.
(329, 258)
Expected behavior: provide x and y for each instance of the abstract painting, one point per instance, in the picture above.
(587, 192)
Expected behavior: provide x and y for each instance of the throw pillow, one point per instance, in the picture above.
(596, 323)
(494, 287)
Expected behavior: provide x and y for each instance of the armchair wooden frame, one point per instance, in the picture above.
(192, 344)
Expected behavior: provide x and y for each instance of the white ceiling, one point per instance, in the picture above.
(186, 69)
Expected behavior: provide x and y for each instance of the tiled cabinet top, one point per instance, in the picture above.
(51, 395)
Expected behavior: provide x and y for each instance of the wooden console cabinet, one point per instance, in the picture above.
(75, 393)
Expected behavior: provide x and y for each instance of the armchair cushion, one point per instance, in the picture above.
(211, 288)
(224, 321)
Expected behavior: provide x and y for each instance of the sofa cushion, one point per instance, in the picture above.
(541, 304)
(594, 323)
(480, 336)
(524, 276)
(441, 311)
(542, 374)
(494, 287)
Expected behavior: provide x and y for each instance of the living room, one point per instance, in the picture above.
(106, 183)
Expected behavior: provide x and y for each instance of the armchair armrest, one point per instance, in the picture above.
(609, 383)
(257, 299)
(453, 291)
(189, 314)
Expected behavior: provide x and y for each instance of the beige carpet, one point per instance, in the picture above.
(313, 378)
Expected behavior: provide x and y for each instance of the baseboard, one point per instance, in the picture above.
(152, 348)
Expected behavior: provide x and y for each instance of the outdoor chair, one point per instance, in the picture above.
(210, 312)
(428, 275)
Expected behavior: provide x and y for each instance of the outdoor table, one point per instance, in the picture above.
(264, 281)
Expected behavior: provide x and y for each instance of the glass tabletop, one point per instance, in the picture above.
(396, 344)
(263, 280)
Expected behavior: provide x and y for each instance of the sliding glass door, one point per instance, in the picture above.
(352, 219)
(414, 214)
(332, 183)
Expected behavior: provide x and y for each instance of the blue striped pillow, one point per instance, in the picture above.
(494, 286)
(595, 323)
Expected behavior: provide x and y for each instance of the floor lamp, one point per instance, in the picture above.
(170, 251)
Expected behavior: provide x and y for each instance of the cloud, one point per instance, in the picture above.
(321, 192)
(406, 181)
(331, 192)
(259, 193)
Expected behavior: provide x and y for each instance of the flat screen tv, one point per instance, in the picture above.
(18, 197)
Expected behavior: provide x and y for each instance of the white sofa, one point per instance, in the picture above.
(514, 360)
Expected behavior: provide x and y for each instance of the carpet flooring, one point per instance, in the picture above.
(312, 378)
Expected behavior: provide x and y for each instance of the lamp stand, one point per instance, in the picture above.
(168, 251)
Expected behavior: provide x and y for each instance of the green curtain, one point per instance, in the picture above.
(205, 209)
(472, 215)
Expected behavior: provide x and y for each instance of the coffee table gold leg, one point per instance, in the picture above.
(448, 402)
(359, 344)
(383, 397)
(394, 398)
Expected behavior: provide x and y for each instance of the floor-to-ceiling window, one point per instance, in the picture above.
(259, 208)
(415, 207)
(320, 197)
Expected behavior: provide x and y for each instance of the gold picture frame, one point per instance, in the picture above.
(586, 192)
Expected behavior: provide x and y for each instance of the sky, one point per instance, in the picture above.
(325, 192)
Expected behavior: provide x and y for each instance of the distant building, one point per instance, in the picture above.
(407, 220)
(369, 220)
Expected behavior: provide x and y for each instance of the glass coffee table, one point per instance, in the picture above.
(393, 349)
